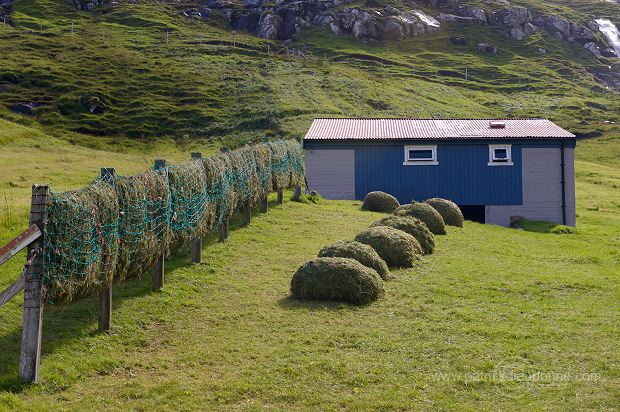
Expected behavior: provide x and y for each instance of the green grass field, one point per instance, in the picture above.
(495, 319)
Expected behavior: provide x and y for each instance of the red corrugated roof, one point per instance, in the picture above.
(386, 129)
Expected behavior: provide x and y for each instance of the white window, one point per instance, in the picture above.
(420, 155)
(500, 155)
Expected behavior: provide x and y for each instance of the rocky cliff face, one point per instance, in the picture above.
(285, 18)
(374, 21)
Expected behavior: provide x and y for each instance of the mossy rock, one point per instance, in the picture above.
(397, 248)
(448, 210)
(415, 227)
(364, 254)
(337, 279)
(380, 202)
(426, 213)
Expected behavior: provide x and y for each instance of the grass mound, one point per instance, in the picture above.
(364, 254)
(448, 210)
(380, 202)
(426, 213)
(338, 279)
(397, 248)
(415, 227)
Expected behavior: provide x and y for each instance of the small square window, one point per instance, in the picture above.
(420, 155)
(500, 155)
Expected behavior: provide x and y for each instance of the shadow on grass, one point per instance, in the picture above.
(65, 325)
(290, 303)
(544, 227)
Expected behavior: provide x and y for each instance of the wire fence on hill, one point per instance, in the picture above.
(117, 227)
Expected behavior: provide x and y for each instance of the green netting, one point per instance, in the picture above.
(143, 229)
(116, 229)
(81, 241)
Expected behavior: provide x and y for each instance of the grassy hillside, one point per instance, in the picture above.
(204, 83)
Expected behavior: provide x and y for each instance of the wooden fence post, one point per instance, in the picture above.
(158, 269)
(280, 196)
(196, 245)
(247, 214)
(264, 204)
(297, 193)
(33, 298)
(224, 230)
(105, 296)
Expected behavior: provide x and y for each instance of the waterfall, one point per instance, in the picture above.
(611, 33)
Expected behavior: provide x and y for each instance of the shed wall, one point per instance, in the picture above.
(331, 172)
(542, 189)
(462, 175)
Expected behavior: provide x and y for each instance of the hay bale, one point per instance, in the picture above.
(81, 242)
(364, 254)
(380, 202)
(144, 204)
(192, 213)
(338, 279)
(448, 210)
(287, 167)
(415, 227)
(397, 248)
(426, 213)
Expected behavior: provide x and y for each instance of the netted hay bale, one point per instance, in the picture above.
(338, 279)
(364, 254)
(81, 242)
(380, 202)
(397, 248)
(415, 227)
(192, 213)
(244, 178)
(145, 208)
(295, 162)
(426, 213)
(287, 166)
(262, 158)
(448, 210)
(220, 191)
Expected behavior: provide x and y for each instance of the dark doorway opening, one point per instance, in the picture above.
(475, 213)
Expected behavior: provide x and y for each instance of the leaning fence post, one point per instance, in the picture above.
(158, 269)
(105, 296)
(196, 246)
(33, 298)
(280, 196)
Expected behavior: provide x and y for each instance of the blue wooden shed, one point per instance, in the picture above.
(492, 168)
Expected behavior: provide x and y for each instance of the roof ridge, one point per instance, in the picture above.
(428, 118)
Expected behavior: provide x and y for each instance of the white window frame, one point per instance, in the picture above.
(493, 161)
(426, 162)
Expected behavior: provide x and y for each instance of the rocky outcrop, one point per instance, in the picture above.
(87, 5)
(594, 49)
(269, 26)
(5, 10)
(512, 17)
(23, 108)
(365, 26)
(487, 48)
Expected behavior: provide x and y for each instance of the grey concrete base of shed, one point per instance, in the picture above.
(500, 215)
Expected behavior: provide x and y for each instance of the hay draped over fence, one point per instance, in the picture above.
(116, 229)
